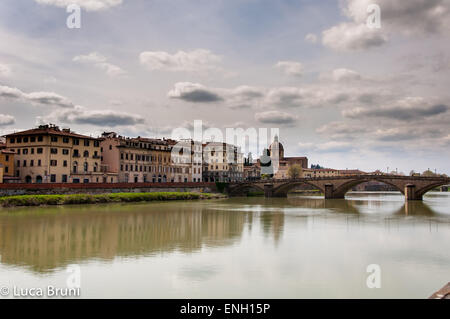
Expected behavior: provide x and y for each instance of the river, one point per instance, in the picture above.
(295, 247)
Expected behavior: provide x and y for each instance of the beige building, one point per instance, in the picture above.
(222, 162)
(138, 160)
(48, 154)
(320, 172)
(281, 163)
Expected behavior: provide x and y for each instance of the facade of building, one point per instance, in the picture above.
(6, 164)
(281, 163)
(187, 158)
(49, 154)
(139, 160)
(319, 172)
(222, 162)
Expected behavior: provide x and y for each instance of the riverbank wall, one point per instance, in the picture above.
(103, 188)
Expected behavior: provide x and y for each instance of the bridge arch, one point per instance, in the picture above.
(243, 188)
(422, 191)
(341, 190)
(283, 189)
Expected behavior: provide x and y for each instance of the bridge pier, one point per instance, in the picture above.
(330, 194)
(410, 193)
(268, 190)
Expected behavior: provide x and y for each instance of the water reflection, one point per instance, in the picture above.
(47, 238)
(44, 239)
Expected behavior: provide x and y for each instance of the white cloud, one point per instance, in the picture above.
(275, 117)
(311, 37)
(327, 147)
(410, 17)
(343, 74)
(352, 36)
(291, 67)
(6, 119)
(102, 118)
(194, 92)
(89, 5)
(100, 62)
(41, 98)
(5, 70)
(191, 61)
(407, 109)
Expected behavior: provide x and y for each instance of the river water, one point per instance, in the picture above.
(295, 247)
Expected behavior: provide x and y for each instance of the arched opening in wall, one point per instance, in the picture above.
(297, 189)
(39, 179)
(28, 179)
(363, 188)
(247, 190)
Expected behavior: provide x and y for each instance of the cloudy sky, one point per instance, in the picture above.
(341, 93)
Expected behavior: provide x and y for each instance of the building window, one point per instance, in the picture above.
(7, 158)
(76, 141)
(54, 139)
(66, 140)
(32, 150)
(39, 162)
(6, 169)
(86, 154)
(25, 139)
(76, 180)
(65, 163)
(85, 167)
(24, 163)
(65, 151)
(39, 150)
(54, 151)
(96, 144)
(31, 162)
(121, 167)
(40, 138)
(53, 162)
(12, 140)
(32, 139)
(86, 142)
(64, 179)
(53, 178)
(86, 180)
(110, 147)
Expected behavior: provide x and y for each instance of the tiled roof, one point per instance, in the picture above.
(49, 131)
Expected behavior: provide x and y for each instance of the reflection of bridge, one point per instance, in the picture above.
(413, 187)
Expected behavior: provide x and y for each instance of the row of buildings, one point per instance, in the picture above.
(48, 154)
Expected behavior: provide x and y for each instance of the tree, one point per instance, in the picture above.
(428, 173)
(295, 171)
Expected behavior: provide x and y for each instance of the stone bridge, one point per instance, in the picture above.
(413, 187)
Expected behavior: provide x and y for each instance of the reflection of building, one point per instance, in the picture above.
(283, 163)
(48, 154)
(222, 162)
(48, 241)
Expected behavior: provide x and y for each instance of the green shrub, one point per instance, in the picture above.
(37, 200)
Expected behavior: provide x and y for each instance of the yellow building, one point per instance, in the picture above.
(48, 154)
(6, 164)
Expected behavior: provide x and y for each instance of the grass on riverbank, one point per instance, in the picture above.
(38, 200)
